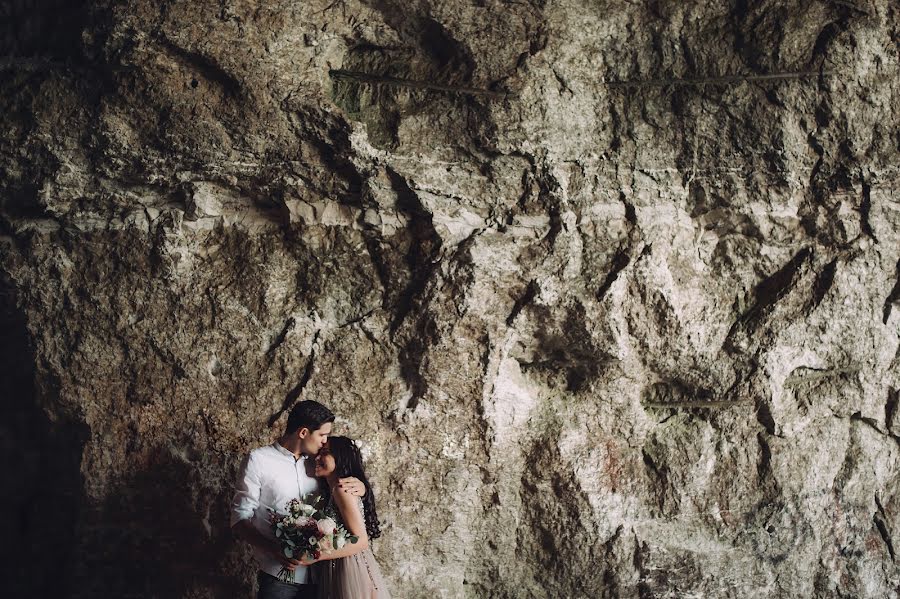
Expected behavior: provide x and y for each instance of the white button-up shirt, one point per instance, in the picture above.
(270, 477)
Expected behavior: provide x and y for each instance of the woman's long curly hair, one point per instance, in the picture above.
(348, 462)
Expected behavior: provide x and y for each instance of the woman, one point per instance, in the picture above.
(350, 572)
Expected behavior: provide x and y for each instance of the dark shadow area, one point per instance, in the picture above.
(42, 497)
(160, 530)
(47, 29)
(160, 533)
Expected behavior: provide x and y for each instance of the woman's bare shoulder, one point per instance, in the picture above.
(346, 501)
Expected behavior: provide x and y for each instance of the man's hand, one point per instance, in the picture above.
(352, 486)
(274, 549)
(245, 530)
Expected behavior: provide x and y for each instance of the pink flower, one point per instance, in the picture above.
(327, 526)
(325, 544)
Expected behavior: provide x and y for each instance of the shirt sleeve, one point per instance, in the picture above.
(247, 489)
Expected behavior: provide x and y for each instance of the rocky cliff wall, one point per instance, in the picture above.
(609, 289)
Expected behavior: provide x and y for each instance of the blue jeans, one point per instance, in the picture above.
(272, 588)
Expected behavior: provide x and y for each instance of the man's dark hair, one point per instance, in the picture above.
(310, 414)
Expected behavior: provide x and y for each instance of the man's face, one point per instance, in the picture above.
(313, 441)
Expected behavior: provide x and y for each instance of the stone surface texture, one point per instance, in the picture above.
(608, 289)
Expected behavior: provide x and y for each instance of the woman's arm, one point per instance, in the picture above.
(348, 506)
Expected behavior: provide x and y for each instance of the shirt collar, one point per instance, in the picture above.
(287, 453)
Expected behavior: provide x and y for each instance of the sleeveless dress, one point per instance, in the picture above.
(355, 577)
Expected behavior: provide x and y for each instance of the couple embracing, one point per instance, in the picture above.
(306, 460)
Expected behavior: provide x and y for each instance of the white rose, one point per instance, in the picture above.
(307, 510)
(339, 542)
(327, 525)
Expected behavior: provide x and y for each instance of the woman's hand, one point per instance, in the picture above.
(352, 486)
(308, 559)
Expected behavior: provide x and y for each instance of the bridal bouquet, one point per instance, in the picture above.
(306, 528)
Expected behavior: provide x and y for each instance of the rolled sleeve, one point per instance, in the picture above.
(247, 490)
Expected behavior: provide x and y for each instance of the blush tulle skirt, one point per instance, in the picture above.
(354, 577)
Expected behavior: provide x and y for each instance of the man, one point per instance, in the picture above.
(270, 477)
